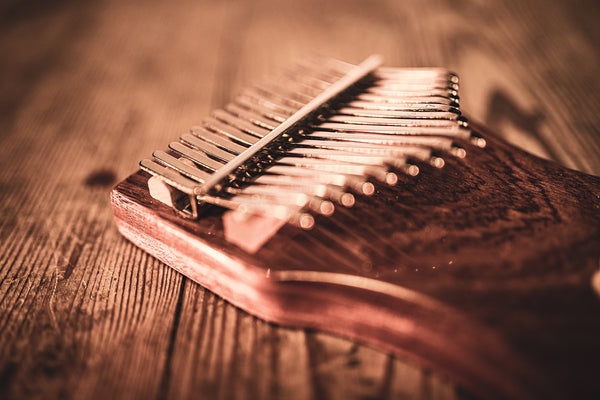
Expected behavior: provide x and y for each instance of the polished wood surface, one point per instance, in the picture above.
(88, 89)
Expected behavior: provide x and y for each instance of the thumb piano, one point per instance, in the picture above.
(360, 201)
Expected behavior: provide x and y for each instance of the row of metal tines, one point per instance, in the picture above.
(384, 125)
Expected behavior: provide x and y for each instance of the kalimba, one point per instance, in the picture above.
(360, 201)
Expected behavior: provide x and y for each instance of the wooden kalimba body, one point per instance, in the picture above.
(358, 200)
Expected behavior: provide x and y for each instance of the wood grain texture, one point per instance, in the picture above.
(89, 89)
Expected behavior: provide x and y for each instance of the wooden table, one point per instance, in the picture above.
(90, 89)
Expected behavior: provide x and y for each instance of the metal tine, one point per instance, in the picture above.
(391, 84)
(180, 166)
(170, 176)
(407, 81)
(358, 183)
(368, 120)
(456, 131)
(208, 148)
(415, 73)
(216, 139)
(241, 124)
(329, 62)
(378, 172)
(416, 152)
(302, 84)
(288, 88)
(251, 116)
(283, 196)
(275, 113)
(321, 191)
(306, 79)
(415, 109)
(274, 97)
(315, 70)
(348, 156)
(353, 76)
(417, 101)
(197, 157)
(378, 142)
(251, 206)
(230, 131)
(400, 114)
(410, 93)
(326, 69)
(325, 190)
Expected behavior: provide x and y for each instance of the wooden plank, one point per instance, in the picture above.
(89, 89)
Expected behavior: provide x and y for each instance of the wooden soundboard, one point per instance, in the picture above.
(485, 269)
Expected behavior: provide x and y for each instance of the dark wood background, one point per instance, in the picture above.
(90, 88)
